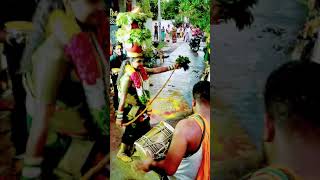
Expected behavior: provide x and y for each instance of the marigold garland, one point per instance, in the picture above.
(135, 76)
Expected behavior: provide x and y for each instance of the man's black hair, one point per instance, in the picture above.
(201, 91)
(292, 94)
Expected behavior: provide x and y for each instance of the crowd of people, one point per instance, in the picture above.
(171, 33)
(59, 73)
(189, 154)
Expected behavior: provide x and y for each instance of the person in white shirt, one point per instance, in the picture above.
(188, 34)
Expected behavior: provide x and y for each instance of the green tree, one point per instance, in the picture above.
(169, 9)
(198, 12)
(237, 10)
(145, 6)
(178, 20)
(154, 9)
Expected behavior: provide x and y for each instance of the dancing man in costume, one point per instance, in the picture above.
(64, 68)
(133, 86)
(188, 157)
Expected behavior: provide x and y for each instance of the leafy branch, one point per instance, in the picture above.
(126, 18)
(183, 62)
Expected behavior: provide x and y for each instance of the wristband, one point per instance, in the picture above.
(119, 119)
(171, 67)
(119, 116)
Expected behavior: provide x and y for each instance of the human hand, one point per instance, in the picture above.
(177, 66)
(143, 165)
(119, 122)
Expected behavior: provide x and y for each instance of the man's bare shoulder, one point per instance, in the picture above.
(183, 123)
(187, 125)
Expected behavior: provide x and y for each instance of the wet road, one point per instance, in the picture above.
(177, 95)
(174, 99)
(242, 62)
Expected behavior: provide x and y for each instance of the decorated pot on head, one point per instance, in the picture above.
(135, 51)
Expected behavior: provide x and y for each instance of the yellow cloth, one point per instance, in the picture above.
(64, 27)
(129, 69)
(19, 26)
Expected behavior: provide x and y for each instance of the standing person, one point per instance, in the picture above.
(168, 31)
(163, 33)
(197, 31)
(188, 157)
(174, 34)
(14, 10)
(182, 31)
(116, 59)
(64, 75)
(291, 123)
(156, 34)
(188, 34)
(179, 32)
(133, 86)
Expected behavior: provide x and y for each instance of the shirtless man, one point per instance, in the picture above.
(292, 129)
(188, 156)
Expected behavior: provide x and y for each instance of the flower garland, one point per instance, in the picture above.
(83, 56)
(135, 76)
(81, 50)
(138, 78)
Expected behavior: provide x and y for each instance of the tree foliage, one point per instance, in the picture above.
(237, 10)
(145, 6)
(178, 20)
(154, 9)
(169, 9)
(198, 12)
